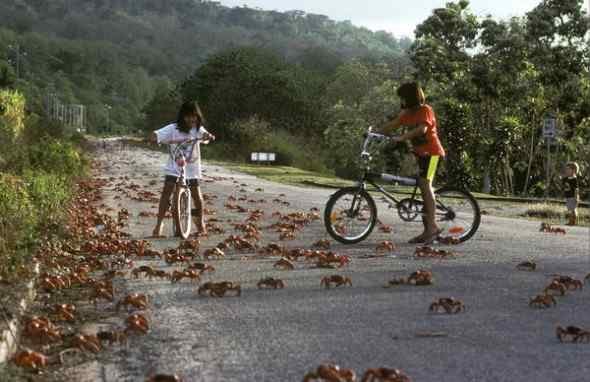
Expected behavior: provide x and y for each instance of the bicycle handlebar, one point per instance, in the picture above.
(370, 136)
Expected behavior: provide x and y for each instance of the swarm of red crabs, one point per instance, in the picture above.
(89, 261)
(108, 254)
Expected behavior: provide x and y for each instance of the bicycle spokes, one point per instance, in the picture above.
(350, 215)
(457, 213)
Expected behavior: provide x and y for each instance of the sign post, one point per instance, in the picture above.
(549, 133)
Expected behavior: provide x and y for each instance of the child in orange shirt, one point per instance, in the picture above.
(420, 117)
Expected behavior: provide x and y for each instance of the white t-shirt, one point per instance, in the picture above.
(171, 133)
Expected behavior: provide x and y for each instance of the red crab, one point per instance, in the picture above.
(330, 373)
(337, 280)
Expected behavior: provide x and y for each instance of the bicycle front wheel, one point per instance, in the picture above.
(457, 213)
(182, 212)
(350, 215)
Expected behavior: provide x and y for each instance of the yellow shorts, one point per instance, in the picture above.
(427, 166)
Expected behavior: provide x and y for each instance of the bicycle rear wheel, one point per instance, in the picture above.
(350, 215)
(182, 212)
(457, 213)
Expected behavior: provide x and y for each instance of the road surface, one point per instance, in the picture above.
(279, 335)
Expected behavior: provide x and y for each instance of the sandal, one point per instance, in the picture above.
(418, 239)
(429, 239)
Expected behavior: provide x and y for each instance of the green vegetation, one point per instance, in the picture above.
(12, 115)
(493, 83)
(37, 170)
(287, 175)
(114, 55)
(487, 80)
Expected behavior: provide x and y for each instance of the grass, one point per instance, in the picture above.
(287, 175)
(553, 213)
(298, 177)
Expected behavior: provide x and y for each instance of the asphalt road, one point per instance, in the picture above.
(279, 335)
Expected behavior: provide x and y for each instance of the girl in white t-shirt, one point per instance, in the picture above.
(188, 125)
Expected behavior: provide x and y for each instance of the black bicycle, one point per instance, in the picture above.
(351, 212)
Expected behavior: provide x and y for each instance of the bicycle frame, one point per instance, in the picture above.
(370, 177)
(177, 156)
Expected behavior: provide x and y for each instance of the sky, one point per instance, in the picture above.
(394, 16)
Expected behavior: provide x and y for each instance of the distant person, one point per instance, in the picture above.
(189, 124)
(571, 191)
(419, 116)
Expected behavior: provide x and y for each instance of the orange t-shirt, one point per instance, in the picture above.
(424, 116)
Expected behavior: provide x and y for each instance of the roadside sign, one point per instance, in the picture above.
(263, 157)
(549, 127)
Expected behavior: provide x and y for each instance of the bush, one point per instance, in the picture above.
(297, 152)
(12, 115)
(48, 193)
(255, 135)
(17, 217)
(56, 157)
(247, 136)
(30, 207)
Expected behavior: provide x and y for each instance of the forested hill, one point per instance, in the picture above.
(112, 55)
(174, 35)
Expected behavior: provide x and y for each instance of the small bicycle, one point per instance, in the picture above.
(182, 210)
(351, 213)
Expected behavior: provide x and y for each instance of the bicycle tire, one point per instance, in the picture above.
(332, 215)
(182, 212)
(468, 219)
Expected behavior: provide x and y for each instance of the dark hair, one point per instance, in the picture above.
(188, 108)
(411, 94)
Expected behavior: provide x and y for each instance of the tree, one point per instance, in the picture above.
(440, 51)
(7, 75)
(161, 109)
(456, 134)
(556, 31)
(239, 83)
